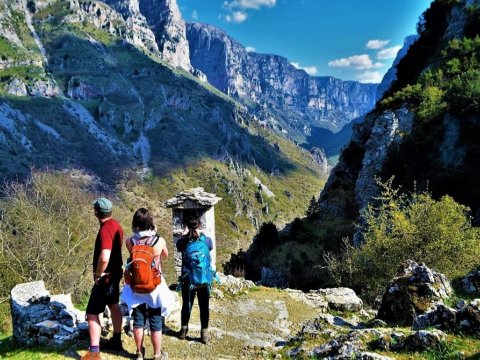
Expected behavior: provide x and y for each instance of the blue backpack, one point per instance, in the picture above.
(197, 263)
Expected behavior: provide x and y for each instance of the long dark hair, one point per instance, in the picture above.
(142, 220)
(192, 222)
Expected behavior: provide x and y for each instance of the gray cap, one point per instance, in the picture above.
(103, 205)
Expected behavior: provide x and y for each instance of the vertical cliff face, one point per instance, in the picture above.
(165, 20)
(209, 50)
(432, 148)
(158, 24)
(274, 83)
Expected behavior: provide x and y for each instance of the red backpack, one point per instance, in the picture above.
(140, 273)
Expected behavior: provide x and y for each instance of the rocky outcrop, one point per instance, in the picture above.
(387, 132)
(156, 26)
(121, 18)
(17, 87)
(341, 299)
(348, 346)
(320, 158)
(165, 20)
(45, 88)
(234, 285)
(413, 291)
(440, 316)
(352, 184)
(471, 282)
(464, 319)
(417, 341)
(338, 299)
(39, 318)
(273, 82)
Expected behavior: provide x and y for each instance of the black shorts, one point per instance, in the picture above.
(103, 295)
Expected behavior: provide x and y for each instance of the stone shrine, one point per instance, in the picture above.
(193, 202)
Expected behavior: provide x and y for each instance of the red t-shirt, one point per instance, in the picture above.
(110, 236)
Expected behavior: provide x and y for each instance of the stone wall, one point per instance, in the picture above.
(39, 318)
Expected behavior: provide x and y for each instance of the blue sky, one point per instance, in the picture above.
(326, 37)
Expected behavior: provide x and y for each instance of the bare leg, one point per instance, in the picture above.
(94, 329)
(157, 342)
(138, 336)
(116, 317)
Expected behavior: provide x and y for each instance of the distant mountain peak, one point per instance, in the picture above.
(294, 101)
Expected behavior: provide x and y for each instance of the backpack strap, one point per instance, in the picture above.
(147, 240)
(155, 240)
(132, 242)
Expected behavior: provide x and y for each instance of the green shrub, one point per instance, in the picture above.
(409, 226)
(464, 92)
(452, 84)
(432, 104)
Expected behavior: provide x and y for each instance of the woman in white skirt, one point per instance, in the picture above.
(156, 304)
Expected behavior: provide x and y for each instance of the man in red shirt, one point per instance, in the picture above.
(107, 267)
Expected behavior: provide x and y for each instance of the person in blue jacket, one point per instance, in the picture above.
(192, 223)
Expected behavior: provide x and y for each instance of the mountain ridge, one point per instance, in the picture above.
(261, 79)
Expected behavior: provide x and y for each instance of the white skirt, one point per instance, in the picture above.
(160, 297)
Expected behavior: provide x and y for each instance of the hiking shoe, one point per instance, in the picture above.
(139, 355)
(112, 345)
(204, 336)
(182, 334)
(162, 356)
(91, 356)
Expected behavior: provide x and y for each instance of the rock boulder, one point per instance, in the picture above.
(345, 347)
(440, 316)
(471, 283)
(341, 299)
(423, 339)
(413, 291)
(234, 285)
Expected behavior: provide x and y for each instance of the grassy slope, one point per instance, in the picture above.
(234, 229)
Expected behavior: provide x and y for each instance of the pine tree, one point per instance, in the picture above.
(312, 208)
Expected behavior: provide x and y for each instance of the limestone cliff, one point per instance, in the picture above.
(166, 22)
(158, 25)
(292, 97)
(399, 138)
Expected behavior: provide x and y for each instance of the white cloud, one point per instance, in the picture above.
(194, 15)
(369, 77)
(389, 53)
(310, 70)
(360, 62)
(249, 4)
(250, 49)
(376, 44)
(236, 9)
(237, 17)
